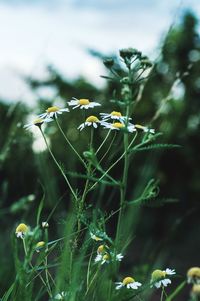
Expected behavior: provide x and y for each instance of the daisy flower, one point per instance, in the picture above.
(193, 275)
(37, 122)
(128, 282)
(196, 290)
(103, 258)
(83, 103)
(96, 238)
(114, 116)
(39, 246)
(144, 129)
(90, 121)
(159, 278)
(21, 230)
(60, 296)
(53, 112)
(119, 126)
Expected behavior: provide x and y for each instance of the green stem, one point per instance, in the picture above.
(58, 165)
(67, 140)
(46, 274)
(162, 294)
(103, 142)
(113, 165)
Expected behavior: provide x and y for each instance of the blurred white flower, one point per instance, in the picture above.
(37, 122)
(128, 282)
(53, 112)
(113, 116)
(83, 103)
(90, 121)
(119, 126)
(159, 278)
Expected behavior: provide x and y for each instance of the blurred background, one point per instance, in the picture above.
(53, 50)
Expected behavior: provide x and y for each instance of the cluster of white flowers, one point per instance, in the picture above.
(113, 121)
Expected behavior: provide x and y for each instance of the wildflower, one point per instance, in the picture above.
(102, 249)
(39, 245)
(159, 278)
(196, 290)
(21, 230)
(144, 129)
(60, 296)
(37, 122)
(83, 103)
(119, 126)
(103, 258)
(53, 112)
(90, 121)
(45, 225)
(96, 238)
(193, 275)
(114, 115)
(129, 282)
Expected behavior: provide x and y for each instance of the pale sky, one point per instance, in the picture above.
(40, 32)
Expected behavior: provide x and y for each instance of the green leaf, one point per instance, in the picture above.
(94, 179)
(177, 291)
(154, 146)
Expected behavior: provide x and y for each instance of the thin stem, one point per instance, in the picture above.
(103, 142)
(108, 148)
(113, 165)
(46, 274)
(162, 294)
(65, 137)
(58, 165)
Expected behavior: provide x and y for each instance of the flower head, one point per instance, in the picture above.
(103, 258)
(45, 225)
(52, 112)
(193, 275)
(114, 115)
(119, 126)
(196, 290)
(95, 237)
(21, 230)
(83, 103)
(128, 282)
(39, 246)
(144, 129)
(37, 122)
(160, 278)
(60, 296)
(90, 121)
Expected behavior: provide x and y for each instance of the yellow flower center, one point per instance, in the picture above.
(84, 101)
(21, 228)
(52, 109)
(114, 113)
(92, 119)
(196, 289)
(101, 249)
(157, 275)
(38, 121)
(128, 280)
(106, 257)
(118, 125)
(194, 272)
(40, 244)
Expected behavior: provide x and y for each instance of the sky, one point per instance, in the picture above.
(36, 33)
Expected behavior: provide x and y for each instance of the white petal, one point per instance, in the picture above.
(170, 272)
(158, 284)
(120, 285)
(165, 282)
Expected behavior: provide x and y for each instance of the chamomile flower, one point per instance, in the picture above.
(128, 282)
(193, 275)
(119, 126)
(45, 225)
(52, 112)
(160, 278)
(144, 129)
(114, 115)
(195, 290)
(103, 258)
(90, 121)
(60, 296)
(21, 230)
(37, 122)
(83, 103)
(95, 237)
(39, 246)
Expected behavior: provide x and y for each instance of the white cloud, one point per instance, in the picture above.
(59, 33)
